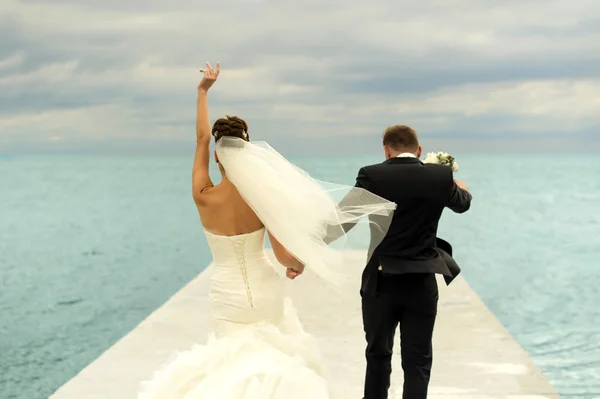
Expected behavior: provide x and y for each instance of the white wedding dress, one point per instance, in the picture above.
(259, 349)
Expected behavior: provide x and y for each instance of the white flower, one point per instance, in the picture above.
(441, 158)
(431, 158)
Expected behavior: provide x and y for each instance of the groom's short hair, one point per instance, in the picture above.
(401, 137)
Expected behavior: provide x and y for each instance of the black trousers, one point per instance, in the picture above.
(408, 300)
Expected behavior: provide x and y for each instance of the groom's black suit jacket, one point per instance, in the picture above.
(421, 192)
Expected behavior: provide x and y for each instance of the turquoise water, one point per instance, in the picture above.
(89, 246)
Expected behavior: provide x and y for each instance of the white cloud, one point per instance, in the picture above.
(12, 61)
(106, 70)
(570, 98)
(97, 122)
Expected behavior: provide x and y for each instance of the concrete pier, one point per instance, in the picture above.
(474, 356)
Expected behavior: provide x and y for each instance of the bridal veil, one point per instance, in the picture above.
(310, 218)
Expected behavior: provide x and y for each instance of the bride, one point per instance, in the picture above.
(259, 349)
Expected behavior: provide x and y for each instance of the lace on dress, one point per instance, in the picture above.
(239, 246)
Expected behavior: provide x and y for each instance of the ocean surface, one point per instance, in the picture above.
(90, 245)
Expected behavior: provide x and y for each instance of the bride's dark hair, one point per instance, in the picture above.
(230, 126)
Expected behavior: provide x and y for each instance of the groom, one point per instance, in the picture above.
(398, 284)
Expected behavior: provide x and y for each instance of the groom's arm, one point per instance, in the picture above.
(362, 181)
(460, 197)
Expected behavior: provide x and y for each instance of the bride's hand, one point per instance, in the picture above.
(210, 77)
(293, 273)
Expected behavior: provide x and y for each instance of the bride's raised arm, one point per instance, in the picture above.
(200, 178)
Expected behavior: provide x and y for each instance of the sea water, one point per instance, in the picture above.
(90, 245)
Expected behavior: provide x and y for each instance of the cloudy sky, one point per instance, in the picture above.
(469, 75)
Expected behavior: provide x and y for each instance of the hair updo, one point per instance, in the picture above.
(230, 126)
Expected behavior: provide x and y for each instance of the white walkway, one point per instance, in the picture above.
(474, 356)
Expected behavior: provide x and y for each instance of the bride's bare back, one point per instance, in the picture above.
(223, 211)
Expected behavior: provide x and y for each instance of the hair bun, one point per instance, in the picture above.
(230, 126)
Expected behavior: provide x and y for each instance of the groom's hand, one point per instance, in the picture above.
(461, 185)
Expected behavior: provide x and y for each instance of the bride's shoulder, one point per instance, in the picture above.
(212, 195)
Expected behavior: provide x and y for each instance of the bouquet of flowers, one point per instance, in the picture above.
(441, 158)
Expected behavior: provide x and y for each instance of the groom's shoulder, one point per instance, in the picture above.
(439, 170)
(374, 166)
(425, 171)
(436, 167)
(369, 170)
(369, 167)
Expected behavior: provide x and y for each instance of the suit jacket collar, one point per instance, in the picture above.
(403, 160)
